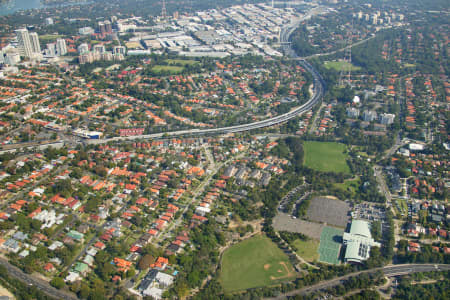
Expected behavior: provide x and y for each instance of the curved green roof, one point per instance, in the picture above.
(361, 228)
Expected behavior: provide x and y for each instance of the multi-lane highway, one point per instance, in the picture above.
(389, 271)
(40, 284)
(318, 91)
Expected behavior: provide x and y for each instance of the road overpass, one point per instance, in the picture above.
(318, 91)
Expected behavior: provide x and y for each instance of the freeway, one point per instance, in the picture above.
(318, 91)
(389, 271)
(37, 282)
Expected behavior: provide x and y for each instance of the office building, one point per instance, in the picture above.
(105, 27)
(387, 119)
(99, 48)
(108, 27)
(119, 50)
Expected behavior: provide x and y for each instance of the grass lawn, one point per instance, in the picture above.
(349, 185)
(182, 62)
(49, 37)
(403, 206)
(326, 157)
(307, 249)
(255, 262)
(337, 65)
(168, 69)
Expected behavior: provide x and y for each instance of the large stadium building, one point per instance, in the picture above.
(358, 242)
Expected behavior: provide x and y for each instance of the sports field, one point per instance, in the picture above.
(330, 245)
(326, 157)
(255, 262)
(167, 69)
(183, 62)
(307, 249)
(338, 65)
(46, 38)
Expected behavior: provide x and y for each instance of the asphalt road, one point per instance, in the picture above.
(39, 283)
(389, 271)
(318, 91)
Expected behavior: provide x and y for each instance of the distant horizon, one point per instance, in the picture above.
(10, 7)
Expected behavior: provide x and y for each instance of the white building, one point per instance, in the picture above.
(83, 48)
(61, 48)
(86, 31)
(387, 119)
(99, 48)
(358, 241)
(51, 49)
(155, 283)
(23, 38)
(416, 147)
(202, 211)
(12, 58)
(35, 42)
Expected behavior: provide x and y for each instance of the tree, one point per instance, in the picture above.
(131, 272)
(376, 230)
(57, 282)
(145, 261)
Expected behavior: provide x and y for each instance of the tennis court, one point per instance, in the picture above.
(330, 245)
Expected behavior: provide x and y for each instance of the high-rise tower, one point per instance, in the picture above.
(36, 46)
(61, 47)
(25, 47)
